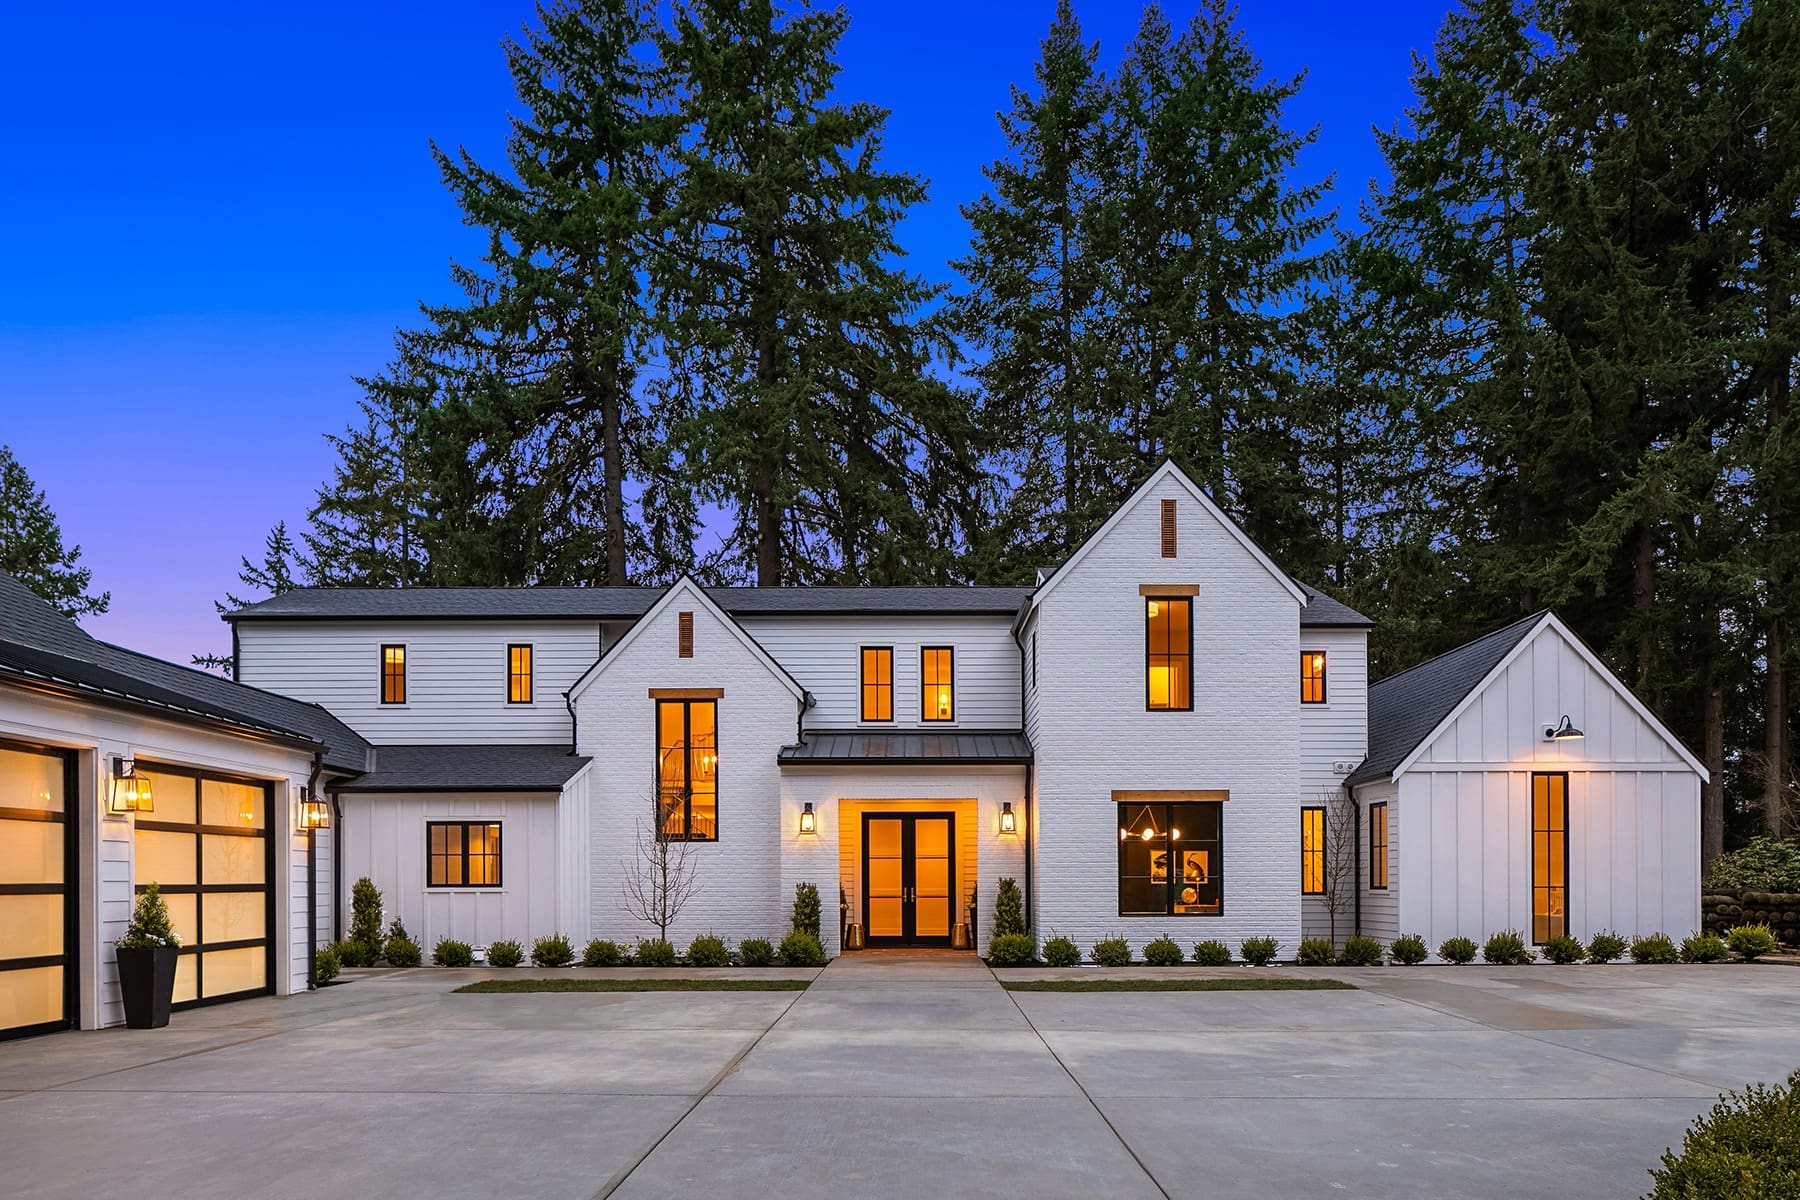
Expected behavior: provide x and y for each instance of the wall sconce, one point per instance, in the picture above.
(314, 812)
(130, 791)
(1008, 824)
(808, 823)
(1564, 732)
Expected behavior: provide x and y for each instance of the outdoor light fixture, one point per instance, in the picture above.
(1562, 733)
(1007, 822)
(809, 824)
(130, 791)
(314, 812)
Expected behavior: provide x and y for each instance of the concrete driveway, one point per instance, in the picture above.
(906, 1077)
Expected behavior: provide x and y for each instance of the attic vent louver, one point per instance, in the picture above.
(1168, 529)
(685, 636)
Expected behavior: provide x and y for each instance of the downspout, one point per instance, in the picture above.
(574, 739)
(312, 872)
(337, 868)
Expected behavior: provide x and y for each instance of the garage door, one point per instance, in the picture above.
(37, 876)
(206, 843)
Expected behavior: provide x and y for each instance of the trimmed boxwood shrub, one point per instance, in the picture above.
(1315, 952)
(1749, 941)
(325, 965)
(1747, 1146)
(1360, 951)
(451, 953)
(1409, 950)
(1163, 952)
(802, 949)
(1259, 951)
(1111, 952)
(1563, 950)
(1606, 947)
(1458, 950)
(1654, 948)
(1061, 952)
(602, 953)
(506, 953)
(1212, 954)
(708, 951)
(399, 949)
(1012, 950)
(552, 950)
(1507, 949)
(1704, 948)
(653, 952)
(756, 952)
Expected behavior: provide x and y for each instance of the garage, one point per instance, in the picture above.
(37, 877)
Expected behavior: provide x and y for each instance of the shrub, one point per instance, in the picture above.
(1605, 947)
(325, 965)
(1009, 909)
(602, 953)
(1315, 952)
(802, 949)
(151, 927)
(1012, 950)
(399, 949)
(1360, 951)
(1748, 941)
(806, 910)
(1748, 1146)
(756, 952)
(507, 953)
(1764, 864)
(1111, 952)
(1563, 950)
(1163, 952)
(1259, 951)
(1458, 950)
(353, 954)
(365, 921)
(1212, 954)
(1507, 949)
(1704, 948)
(653, 952)
(708, 951)
(552, 950)
(1656, 948)
(451, 953)
(1409, 950)
(1061, 952)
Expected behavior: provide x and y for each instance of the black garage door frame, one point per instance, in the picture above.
(70, 820)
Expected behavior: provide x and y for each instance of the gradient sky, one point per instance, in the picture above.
(217, 215)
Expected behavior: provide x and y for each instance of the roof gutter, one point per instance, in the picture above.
(167, 712)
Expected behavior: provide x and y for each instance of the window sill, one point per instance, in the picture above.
(460, 889)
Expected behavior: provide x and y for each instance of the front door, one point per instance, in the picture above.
(909, 865)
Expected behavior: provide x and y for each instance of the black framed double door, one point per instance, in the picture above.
(908, 870)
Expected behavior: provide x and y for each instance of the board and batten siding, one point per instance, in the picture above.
(456, 680)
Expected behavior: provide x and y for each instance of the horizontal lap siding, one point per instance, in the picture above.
(1332, 733)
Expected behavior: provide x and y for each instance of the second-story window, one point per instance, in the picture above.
(393, 674)
(937, 678)
(518, 674)
(1169, 651)
(687, 768)
(877, 683)
(1312, 677)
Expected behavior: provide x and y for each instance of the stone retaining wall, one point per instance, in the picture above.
(1780, 911)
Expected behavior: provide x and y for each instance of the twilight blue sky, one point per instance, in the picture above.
(217, 214)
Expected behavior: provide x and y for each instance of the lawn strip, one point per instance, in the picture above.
(1177, 985)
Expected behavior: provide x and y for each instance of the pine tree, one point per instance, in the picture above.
(370, 525)
(283, 568)
(31, 545)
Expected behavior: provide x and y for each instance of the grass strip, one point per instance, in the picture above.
(488, 987)
(1178, 985)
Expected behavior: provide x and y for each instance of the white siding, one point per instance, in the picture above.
(455, 675)
(1379, 907)
(1336, 732)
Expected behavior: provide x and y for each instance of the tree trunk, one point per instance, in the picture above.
(1643, 598)
(612, 463)
(1712, 793)
(1775, 722)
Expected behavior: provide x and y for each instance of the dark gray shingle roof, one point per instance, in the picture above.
(490, 768)
(906, 748)
(1322, 612)
(1405, 708)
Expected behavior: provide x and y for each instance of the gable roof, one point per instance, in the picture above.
(1322, 612)
(482, 768)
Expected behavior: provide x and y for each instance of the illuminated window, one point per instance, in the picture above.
(937, 678)
(1170, 652)
(1378, 864)
(393, 674)
(1171, 859)
(1312, 852)
(878, 683)
(462, 854)
(687, 764)
(1312, 677)
(518, 674)
(1549, 857)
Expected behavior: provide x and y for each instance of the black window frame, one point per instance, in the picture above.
(687, 703)
(383, 676)
(499, 841)
(924, 705)
(1165, 813)
(1548, 918)
(1324, 669)
(1187, 655)
(1378, 861)
(863, 685)
(529, 675)
(1321, 852)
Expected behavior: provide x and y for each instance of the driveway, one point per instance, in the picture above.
(895, 1076)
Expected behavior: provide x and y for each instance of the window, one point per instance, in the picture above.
(1169, 640)
(1312, 852)
(393, 674)
(1034, 658)
(1378, 874)
(1549, 857)
(684, 635)
(1168, 529)
(1312, 677)
(1171, 859)
(937, 680)
(462, 853)
(877, 683)
(687, 764)
(518, 674)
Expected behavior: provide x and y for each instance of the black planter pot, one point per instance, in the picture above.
(147, 984)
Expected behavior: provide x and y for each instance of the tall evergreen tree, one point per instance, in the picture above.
(282, 569)
(31, 545)
(370, 526)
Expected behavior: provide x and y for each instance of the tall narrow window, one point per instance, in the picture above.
(1378, 864)
(1171, 859)
(1549, 857)
(393, 674)
(1312, 677)
(684, 636)
(1168, 529)
(1169, 642)
(877, 683)
(462, 854)
(518, 674)
(1312, 852)
(687, 767)
(937, 683)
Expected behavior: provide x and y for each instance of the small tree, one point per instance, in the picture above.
(1340, 882)
(1009, 909)
(660, 876)
(365, 920)
(150, 926)
(806, 909)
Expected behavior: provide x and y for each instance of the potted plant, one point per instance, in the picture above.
(146, 957)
